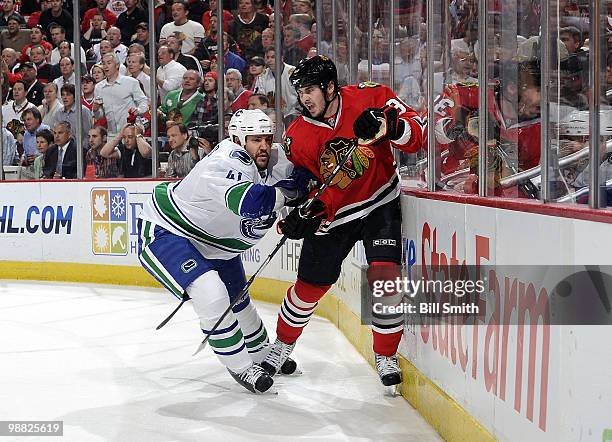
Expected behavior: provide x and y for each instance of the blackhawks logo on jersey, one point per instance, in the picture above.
(355, 166)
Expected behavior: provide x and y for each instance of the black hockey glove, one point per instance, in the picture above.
(298, 225)
(297, 186)
(379, 124)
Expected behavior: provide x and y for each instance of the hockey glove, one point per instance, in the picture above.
(298, 225)
(379, 124)
(296, 187)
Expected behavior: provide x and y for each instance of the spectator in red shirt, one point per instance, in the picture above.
(35, 16)
(100, 8)
(233, 81)
(227, 17)
(303, 23)
(263, 7)
(36, 39)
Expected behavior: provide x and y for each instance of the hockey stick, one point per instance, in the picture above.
(183, 301)
(282, 241)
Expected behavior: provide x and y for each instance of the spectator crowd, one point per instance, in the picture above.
(39, 68)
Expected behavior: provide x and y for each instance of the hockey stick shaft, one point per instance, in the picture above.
(165, 321)
(280, 243)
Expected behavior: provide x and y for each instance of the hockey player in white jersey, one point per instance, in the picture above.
(191, 234)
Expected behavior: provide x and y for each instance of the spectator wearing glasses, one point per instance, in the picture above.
(233, 81)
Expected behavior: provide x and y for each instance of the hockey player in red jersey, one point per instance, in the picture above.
(362, 202)
(514, 114)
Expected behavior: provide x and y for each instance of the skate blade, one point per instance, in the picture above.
(392, 390)
(296, 373)
(269, 392)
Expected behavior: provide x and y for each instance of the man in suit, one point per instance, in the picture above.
(61, 159)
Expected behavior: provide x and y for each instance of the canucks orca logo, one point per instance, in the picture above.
(256, 228)
(242, 156)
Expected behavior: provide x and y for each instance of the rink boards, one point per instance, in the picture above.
(468, 382)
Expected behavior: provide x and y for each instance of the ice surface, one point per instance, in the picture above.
(89, 355)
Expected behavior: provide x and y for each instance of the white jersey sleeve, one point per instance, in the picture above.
(222, 205)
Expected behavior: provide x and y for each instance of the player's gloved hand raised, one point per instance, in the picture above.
(300, 224)
(297, 186)
(378, 124)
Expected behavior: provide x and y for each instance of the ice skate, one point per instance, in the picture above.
(255, 379)
(289, 367)
(278, 356)
(389, 372)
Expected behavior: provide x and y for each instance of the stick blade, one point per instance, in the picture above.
(201, 347)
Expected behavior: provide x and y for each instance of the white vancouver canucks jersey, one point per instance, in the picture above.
(207, 204)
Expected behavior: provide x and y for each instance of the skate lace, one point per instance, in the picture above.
(251, 375)
(386, 365)
(279, 354)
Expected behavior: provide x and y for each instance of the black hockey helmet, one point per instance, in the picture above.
(318, 70)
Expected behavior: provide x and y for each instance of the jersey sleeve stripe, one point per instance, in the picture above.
(235, 195)
(162, 200)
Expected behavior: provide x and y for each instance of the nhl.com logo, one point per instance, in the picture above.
(109, 225)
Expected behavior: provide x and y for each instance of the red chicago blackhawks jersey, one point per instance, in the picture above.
(369, 178)
(456, 114)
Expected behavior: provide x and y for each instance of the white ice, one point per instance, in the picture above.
(89, 355)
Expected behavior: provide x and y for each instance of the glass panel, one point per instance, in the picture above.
(326, 28)
(513, 94)
(455, 87)
(409, 66)
(380, 43)
(361, 40)
(570, 95)
(342, 42)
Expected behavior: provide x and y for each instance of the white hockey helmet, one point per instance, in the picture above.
(577, 124)
(249, 122)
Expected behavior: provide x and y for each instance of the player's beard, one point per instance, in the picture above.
(261, 161)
